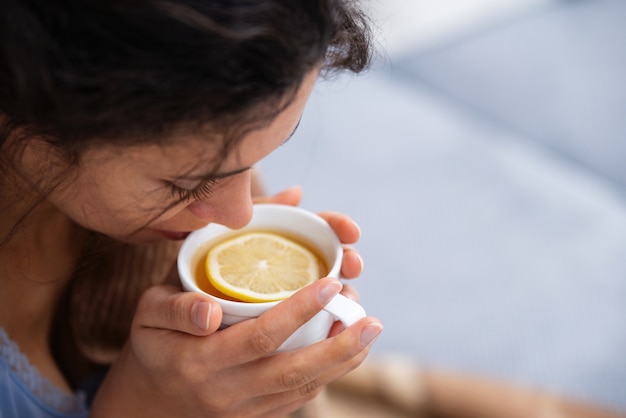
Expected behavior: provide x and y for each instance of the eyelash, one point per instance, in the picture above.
(203, 191)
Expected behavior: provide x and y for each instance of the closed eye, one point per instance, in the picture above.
(202, 191)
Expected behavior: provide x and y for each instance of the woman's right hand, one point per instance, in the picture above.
(177, 364)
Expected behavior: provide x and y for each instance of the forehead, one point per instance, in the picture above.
(182, 148)
(184, 152)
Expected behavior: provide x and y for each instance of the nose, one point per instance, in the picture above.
(230, 205)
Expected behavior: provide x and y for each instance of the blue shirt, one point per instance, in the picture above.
(24, 392)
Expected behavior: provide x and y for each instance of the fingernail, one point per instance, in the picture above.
(329, 291)
(370, 333)
(201, 312)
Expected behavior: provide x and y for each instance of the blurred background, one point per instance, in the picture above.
(484, 156)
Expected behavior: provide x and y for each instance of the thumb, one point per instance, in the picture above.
(290, 196)
(166, 307)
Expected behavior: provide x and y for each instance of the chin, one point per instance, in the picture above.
(154, 235)
(139, 238)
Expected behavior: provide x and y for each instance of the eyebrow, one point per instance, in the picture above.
(217, 176)
(212, 176)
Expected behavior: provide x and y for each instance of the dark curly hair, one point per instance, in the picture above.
(75, 71)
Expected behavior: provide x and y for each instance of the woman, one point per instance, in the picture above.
(126, 125)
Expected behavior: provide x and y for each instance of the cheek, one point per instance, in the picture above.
(201, 209)
(101, 209)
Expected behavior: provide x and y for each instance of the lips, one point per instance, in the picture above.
(173, 235)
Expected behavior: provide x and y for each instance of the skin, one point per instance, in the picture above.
(176, 362)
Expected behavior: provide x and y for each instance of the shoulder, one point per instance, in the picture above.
(25, 393)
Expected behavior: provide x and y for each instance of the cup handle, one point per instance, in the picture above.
(345, 310)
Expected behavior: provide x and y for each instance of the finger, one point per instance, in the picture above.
(303, 371)
(295, 376)
(350, 292)
(166, 307)
(285, 410)
(365, 334)
(291, 196)
(337, 328)
(346, 229)
(352, 264)
(256, 338)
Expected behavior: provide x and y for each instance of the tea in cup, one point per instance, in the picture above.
(299, 230)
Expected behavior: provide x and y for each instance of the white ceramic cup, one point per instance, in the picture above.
(294, 222)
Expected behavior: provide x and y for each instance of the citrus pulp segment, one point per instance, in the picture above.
(261, 266)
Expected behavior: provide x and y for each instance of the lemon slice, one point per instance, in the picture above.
(260, 267)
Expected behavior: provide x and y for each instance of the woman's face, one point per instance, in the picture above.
(134, 193)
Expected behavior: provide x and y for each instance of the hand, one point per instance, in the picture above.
(177, 364)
